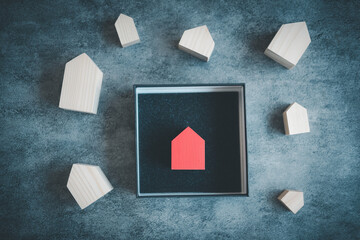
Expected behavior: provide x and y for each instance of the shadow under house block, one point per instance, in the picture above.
(126, 30)
(293, 200)
(87, 183)
(296, 119)
(289, 44)
(188, 151)
(81, 85)
(197, 42)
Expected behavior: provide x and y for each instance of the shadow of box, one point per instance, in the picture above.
(216, 113)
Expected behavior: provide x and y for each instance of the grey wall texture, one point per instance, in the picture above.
(39, 142)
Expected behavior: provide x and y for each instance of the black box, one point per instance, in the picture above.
(216, 113)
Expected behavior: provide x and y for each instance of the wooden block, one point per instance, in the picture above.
(87, 183)
(126, 30)
(188, 151)
(197, 42)
(81, 85)
(296, 119)
(289, 44)
(293, 200)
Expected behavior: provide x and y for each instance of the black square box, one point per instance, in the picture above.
(216, 113)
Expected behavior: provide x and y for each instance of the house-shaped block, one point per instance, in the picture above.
(87, 183)
(289, 44)
(188, 151)
(197, 42)
(81, 85)
(126, 30)
(296, 119)
(293, 200)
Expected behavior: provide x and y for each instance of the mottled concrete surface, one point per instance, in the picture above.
(39, 142)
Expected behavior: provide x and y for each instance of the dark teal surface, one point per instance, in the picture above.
(39, 142)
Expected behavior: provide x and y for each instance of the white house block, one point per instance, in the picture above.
(289, 44)
(197, 42)
(293, 200)
(81, 85)
(296, 119)
(126, 30)
(87, 183)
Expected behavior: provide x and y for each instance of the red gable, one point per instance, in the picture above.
(188, 151)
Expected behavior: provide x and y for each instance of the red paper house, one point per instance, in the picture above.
(188, 151)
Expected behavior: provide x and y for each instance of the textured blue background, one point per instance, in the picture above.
(39, 142)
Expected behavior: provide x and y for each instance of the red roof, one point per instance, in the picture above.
(188, 151)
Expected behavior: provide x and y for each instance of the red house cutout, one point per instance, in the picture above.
(188, 151)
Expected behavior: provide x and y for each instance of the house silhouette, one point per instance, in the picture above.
(188, 151)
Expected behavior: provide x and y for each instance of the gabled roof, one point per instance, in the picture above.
(295, 107)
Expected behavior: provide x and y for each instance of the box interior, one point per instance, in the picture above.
(216, 113)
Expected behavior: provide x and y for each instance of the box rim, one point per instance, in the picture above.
(189, 194)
